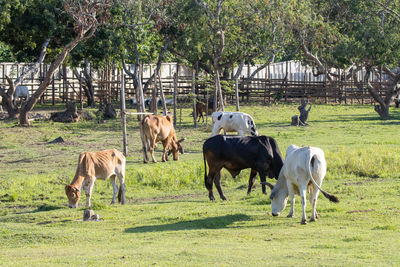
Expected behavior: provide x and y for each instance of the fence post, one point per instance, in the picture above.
(194, 98)
(236, 94)
(175, 91)
(123, 118)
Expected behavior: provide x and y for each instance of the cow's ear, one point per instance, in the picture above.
(272, 195)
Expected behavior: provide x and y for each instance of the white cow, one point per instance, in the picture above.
(21, 91)
(233, 122)
(304, 167)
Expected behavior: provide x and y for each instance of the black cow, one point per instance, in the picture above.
(235, 153)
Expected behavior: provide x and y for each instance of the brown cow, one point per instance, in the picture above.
(201, 107)
(97, 165)
(159, 128)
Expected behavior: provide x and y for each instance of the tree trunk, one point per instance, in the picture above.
(23, 117)
(164, 106)
(383, 111)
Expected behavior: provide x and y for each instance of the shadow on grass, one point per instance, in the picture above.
(41, 208)
(207, 223)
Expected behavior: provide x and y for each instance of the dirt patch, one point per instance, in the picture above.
(358, 183)
(153, 199)
(360, 211)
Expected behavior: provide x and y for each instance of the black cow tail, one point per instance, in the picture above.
(120, 194)
(205, 169)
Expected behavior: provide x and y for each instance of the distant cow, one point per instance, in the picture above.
(235, 153)
(304, 168)
(201, 107)
(160, 129)
(21, 91)
(97, 165)
(233, 121)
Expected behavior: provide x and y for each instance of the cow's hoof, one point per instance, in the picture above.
(289, 216)
(312, 219)
(223, 198)
(145, 161)
(303, 221)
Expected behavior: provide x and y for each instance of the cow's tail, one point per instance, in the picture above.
(205, 169)
(326, 194)
(120, 194)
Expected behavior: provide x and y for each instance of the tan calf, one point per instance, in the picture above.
(159, 129)
(97, 165)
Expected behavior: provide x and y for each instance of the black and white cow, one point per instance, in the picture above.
(235, 153)
(233, 122)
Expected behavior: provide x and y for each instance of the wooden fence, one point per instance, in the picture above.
(66, 86)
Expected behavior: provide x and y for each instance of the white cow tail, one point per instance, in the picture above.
(326, 194)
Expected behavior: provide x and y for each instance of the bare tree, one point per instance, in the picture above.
(87, 83)
(88, 15)
(8, 95)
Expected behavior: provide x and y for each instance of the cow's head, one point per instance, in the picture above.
(175, 148)
(73, 194)
(279, 196)
(253, 130)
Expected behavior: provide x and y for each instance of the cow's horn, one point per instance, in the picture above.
(269, 185)
(181, 140)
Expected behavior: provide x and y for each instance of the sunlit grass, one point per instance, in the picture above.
(169, 220)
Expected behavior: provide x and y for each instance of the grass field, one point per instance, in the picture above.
(169, 220)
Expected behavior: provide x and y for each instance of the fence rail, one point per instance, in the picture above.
(66, 86)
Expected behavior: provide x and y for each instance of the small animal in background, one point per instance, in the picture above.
(21, 91)
(304, 168)
(201, 107)
(97, 165)
(302, 119)
(233, 122)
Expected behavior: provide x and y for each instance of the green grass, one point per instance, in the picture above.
(169, 220)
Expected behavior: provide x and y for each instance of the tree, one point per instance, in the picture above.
(351, 35)
(216, 35)
(87, 16)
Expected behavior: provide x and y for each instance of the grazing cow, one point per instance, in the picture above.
(233, 121)
(21, 91)
(160, 129)
(235, 153)
(147, 102)
(201, 107)
(97, 165)
(304, 168)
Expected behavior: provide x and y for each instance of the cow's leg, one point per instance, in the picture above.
(152, 146)
(252, 179)
(165, 145)
(144, 147)
(263, 179)
(313, 200)
(121, 193)
(303, 191)
(208, 181)
(217, 182)
(292, 199)
(115, 188)
(89, 189)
